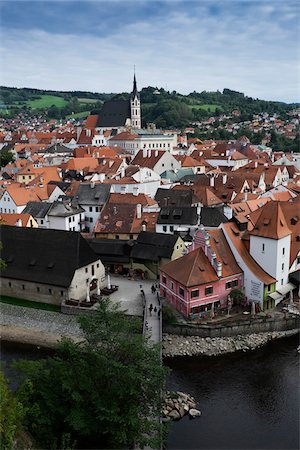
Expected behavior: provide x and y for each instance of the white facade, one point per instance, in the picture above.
(7, 205)
(91, 213)
(135, 106)
(144, 175)
(149, 188)
(82, 277)
(144, 141)
(99, 140)
(273, 255)
(70, 223)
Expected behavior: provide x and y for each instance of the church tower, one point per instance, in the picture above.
(135, 107)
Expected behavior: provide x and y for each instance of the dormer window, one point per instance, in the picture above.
(263, 248)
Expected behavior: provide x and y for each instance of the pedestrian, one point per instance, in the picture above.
(152, 289)
(158, 314)
(142, 292)
(155, 310)
(150, 309)
(146, 325)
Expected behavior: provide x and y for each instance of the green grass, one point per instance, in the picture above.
(46, 101)
(211, 108)
(87, 100)
(29, 303)
(78, 115)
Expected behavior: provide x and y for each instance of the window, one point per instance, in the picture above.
(281, 281)
(38, 289)
(61, 293)
(97, 266)
(298, 260)
(93, 270)
(42, 221)
(283, 250)
(86, 270)
(171, 228)
(164, 228)
(164, 280)
(228, 285)
(209, 290)
(263, 248)
(117, 236)
(282, 266)
(9, 284)
(131, 236)
(269, 288)
(50, 291)
(181, 292)
(90, 209)
(172, 285)
(97, 209)
(195, 293)
(23, 287)
(235, 283)
(69, 219)
(91, 219)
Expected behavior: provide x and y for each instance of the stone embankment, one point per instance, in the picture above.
(174, 345)
(178, 404)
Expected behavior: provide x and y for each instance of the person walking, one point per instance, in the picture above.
(155, 310)
(150, 309)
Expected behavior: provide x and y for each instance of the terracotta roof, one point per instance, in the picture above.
(235, 236)
(124, 136)
(22, 195)
(188, 161)
(77, 164)
(149, 162)
(192, 269)
(91, 121)
(12, 219)
(223, 252)
(271, 222)
(131, 199)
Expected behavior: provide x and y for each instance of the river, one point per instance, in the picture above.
(248, 400)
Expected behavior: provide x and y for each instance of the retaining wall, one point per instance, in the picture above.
(242, 328)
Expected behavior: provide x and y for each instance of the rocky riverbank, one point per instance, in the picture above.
(174, 345)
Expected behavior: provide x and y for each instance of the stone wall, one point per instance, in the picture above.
(262, 325)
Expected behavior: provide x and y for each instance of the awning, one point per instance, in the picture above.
(277, 297)
(283, 290)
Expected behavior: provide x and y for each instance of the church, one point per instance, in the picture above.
(121, 114)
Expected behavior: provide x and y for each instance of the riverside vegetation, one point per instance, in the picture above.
(103, 392)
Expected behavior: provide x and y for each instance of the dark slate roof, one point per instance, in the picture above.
(114, 113)
(38, 210)
(178, 215)
(64, 186)
(98, 195)
(111, 250)
(57, 148)
(154, 246)
(212, 217)
(64, 209)
(176, 197)
(44, 256)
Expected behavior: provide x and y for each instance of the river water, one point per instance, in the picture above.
(248, 400)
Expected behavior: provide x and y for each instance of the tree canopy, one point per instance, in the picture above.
(102, 392)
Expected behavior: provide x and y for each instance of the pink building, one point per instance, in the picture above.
(206, 275)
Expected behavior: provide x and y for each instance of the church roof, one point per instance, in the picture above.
(114, 113)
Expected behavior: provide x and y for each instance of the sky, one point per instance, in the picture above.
(248, 46)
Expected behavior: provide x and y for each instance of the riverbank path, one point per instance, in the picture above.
(152, 315)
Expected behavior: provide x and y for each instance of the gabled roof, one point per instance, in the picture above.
(223, 253)
(12, 219)
(38, 210)
(192, 269)
(174, 197)
(183, 215)
(44, 256)
(271, 222)
(124, 136)
(212, 217)
(131, 199)
(88, 195)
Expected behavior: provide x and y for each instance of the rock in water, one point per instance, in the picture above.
(194, 412)
(174, 414)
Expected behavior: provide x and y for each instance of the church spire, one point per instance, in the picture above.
(134, 90)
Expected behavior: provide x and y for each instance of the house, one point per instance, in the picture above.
(91, 197)
(15, 198)
(147, 253)
(174, 219)
(18, 220)
(48, 266)
(132, 143)
(59, 215)
(157, 160)
(124, 221)
(204, 276)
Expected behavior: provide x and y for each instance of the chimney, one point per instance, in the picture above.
(102, 177)
(207, 244)
(255, 164)
(144, 153)
(19, 223)
(219, 269)
(224, 178)
(246, 195)
(144, 227)
(149, 153)
(212, 181)
(213, 258)
(92, 184)
(110, 163)
(122, 172)
(138, 211)
(156, 153)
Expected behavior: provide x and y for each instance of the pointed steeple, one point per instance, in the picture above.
(134, 92)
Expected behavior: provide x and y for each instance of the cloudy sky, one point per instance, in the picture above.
(249, 46)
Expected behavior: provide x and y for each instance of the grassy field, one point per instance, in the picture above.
(87, 100)
(28, 303)
(211, 108)
(46, 101)
(79, 115)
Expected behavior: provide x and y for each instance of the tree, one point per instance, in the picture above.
(103, 392)
(6, 156)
